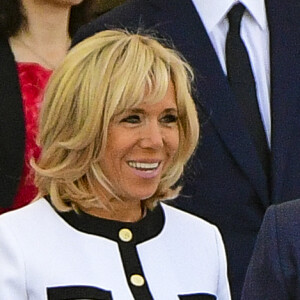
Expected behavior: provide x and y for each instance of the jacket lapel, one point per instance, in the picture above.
(285, 89)
(216, 99)
(12, 132)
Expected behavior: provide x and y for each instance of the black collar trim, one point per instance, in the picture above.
(145, 229)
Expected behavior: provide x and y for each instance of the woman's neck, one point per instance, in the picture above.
(122, 211)
(45, 38)
(47, 22)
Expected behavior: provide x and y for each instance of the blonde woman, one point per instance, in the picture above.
(118, 125)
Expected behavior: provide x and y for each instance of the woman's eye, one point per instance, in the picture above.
(133, 119)
(169, 118)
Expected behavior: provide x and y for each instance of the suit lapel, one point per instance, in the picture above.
(190, 38)
(285, 89)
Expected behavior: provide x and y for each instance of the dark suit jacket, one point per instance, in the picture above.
(274, 270)
(12, 130)
(226, 183)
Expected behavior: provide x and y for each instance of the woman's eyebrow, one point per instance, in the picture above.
(142, 111)
(136, 110)
(171, 110)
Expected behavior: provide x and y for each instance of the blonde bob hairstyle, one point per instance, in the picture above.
(102, 76)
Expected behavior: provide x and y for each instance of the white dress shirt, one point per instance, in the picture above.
(255, 34)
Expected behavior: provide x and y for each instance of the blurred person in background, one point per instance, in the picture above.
(34, 38)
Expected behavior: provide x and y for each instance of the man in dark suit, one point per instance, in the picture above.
(228, 183)
(274, 270)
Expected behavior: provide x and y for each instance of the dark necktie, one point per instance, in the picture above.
(241, 80)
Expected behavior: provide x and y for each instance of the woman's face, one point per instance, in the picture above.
(141, 144)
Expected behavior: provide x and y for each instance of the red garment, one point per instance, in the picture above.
(33, 79)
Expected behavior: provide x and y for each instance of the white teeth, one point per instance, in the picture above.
(139, 165)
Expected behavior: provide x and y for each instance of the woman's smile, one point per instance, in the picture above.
(145, 169)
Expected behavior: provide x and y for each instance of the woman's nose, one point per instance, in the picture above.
(152, 136)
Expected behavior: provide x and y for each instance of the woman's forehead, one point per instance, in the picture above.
(166, 102)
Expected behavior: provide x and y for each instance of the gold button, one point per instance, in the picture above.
(125, 235)
(137, 280)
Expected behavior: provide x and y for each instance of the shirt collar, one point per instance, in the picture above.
(214, 11)
(145, 229)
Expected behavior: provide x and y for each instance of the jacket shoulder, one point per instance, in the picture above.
(132, 15)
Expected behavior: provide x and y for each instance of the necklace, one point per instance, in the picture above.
(48, 64)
